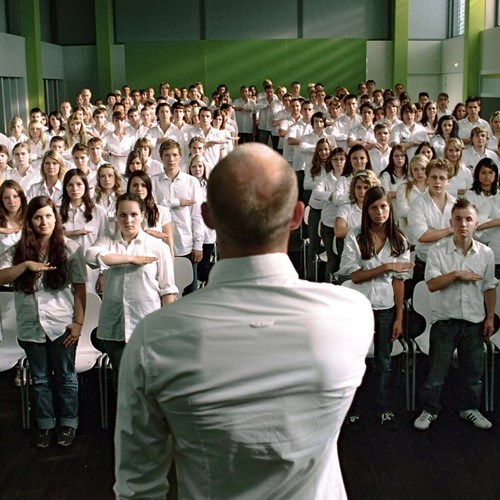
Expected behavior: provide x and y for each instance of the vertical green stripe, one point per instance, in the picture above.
(104, 28)
(31, 31)
(400, 47)
(475, 11)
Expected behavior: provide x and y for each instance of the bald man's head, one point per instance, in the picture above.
(251, 197)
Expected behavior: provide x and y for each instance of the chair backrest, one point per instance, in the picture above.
(183, 271)
(397, 347)
(86, 353)
(421, 303)
(10, 351)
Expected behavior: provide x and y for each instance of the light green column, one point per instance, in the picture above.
(104, 28)
(31, 31)
(475, 11)
(400, 50)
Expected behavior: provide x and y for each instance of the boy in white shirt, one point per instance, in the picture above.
(430, 215)
(460, 273)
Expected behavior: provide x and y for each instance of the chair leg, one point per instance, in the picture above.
(413, 374)
(25, 392)
(103, 389)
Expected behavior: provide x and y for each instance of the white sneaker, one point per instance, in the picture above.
(423, 422)
(476, 418)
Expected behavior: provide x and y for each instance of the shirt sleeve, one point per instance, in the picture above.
(351, 256)
(417, 219)
(143, 446)
(77, 267)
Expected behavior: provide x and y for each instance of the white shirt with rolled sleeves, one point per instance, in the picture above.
(244, 116)
(131, 292)
(379, 290)
(461, 299)
(187, 223)
(423, 215)
(47, 312)
(252, 377)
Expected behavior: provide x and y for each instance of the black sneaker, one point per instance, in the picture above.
(388, 420)
(66, 436)
(43, 438)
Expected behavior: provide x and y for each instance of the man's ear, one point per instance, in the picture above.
(205, 213)
(298, 215)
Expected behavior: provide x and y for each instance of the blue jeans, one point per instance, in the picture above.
(445, 337)
(384, 318)
(45, 359)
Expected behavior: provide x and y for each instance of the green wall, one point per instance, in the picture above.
(237, 62)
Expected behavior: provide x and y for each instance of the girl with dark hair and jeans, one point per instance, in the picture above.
(376, 256)
(49, 274)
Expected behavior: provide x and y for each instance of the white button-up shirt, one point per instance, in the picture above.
(252, 376)
(48, 312)
(379, 290)
(41, 189)
(131, 292)
(462, 299)
(424, 214)
(187, 223)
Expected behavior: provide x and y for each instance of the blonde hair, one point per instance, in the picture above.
(366, 177)
(419, 159)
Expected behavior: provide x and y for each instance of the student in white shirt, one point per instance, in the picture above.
(83, 221)
(181, 193)
(396, 172)
(157, 219)
(460, 275)
(408, 133)
(447, 128)
(17, 133)
(52, 171)
(429, 215)
(23, 171)
(471, 120)
(478, 148)
(357, 159)
(12, 209)
(461, 180)
(409, 191)
(138, 276)
(349, 214)
(49, 275)
(323, 190)
(380, 151)
(376, 256)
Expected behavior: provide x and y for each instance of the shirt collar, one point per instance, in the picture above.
(255, 267)
(451, 247)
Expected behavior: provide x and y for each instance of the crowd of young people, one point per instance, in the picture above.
(103, 195)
